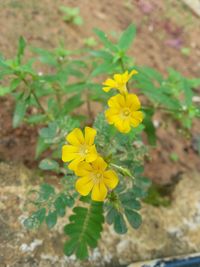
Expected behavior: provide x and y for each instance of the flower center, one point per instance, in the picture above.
(97, 177)
(83, 150)
(125, 113)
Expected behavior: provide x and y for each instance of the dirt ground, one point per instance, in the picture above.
(165, 29)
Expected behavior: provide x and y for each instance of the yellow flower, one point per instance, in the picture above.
(123, 112)
(119, 82)
(81, 147)
(94, 177)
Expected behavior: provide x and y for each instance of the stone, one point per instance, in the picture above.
(165, 232)
(194, 5)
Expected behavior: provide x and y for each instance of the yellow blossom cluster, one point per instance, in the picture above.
(88, 165)
(124, 108)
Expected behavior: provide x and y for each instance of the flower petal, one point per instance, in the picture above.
(83, 169)
(90, 134)
(111, 115)
(136, 118)
(123, 125)
(110, 83)
(118, 78)
(99, 164)
(133, 72)
(133, 102)
(84, 185)
(99, 192)
(110, 179)
(69, 153)
(106, 89)
(92, 154)
(75, 137)
(116, 101)
(73, 165)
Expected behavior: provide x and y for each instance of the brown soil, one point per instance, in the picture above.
(164, 28)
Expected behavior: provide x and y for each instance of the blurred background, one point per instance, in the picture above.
(168, 35)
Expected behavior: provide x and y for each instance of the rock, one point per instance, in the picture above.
(165, 232)
(194, 5)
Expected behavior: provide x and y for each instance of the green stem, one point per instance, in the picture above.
(124, 171)
(122, 64)
(90, 114)
(36, 99)
(162, 108)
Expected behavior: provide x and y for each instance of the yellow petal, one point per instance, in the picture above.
(110, 83)
(111, 115)
(118, 78)
(99, 164)
(75, 137)
(92, 154)
(68, 153)
(73, 165)
(136, 118)
(99, 192)
(123, 89)
(133, 102)
(90, 134)
(123, 126)
(106, 89)
(110, 179)
(121, 100)
(133, 72)
(84, 185)
(125, 77)
(116, 101)
(83, 169)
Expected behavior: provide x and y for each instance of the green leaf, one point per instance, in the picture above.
(46, 57)
(4, 90)
(75, 87)
(104, 68)
(102, 54)
(40, 147)
(149, 127)
(143, 182)
(50, 131)
(51, 219)
(104, 39)
(82, 251)
(188, 93)
(133, 218)
(49, 164)
(21, 48)
(127, 38)
(15, 83)
(46, 190)
(19, 113)
(72, 103)
(60, 206)
(84, 229)
(35, 119)
(120, 224)
(110, 217)
(36, 219)
(129, 201)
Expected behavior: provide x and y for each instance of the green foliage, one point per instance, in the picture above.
(49, 206)
(52, 101)
(156, 198)
(71, 15)
(84, 229)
